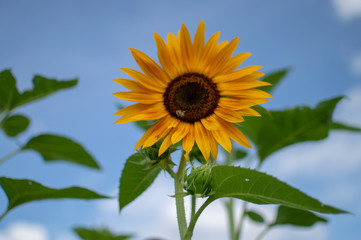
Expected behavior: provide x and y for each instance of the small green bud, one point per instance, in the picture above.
(199, 181)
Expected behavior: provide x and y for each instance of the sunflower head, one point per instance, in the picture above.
(196, 93)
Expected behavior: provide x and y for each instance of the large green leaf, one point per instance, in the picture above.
(136, 177)
(282, 128)
(296, 217)
(99, 234)
(42, 88)
(15, 124)
(260, 188)
(8, 90)
(52, 147)
(20, 191)
(274, 78)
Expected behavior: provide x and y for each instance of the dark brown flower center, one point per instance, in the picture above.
(191, 97)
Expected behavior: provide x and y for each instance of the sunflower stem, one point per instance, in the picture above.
(179, 198)
(193, 204)
(229, 208)
(189, 233)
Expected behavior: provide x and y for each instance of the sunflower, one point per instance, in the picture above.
(196, 93)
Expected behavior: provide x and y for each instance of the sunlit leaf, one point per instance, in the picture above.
(20, 191)
(274, 78)
(296, 217)
(52, 147)
(341, 126)
(260, 188)
(256, 217)
(8, 90)
(99, 234)
(144, 125)
(42, 88)
(282, 128)
(15, 124)
(136, 177)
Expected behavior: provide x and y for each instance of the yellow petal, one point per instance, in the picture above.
(228, 115)
(222, 138)
(202, 140)
(141, 97)
(239, 103)
(130, 84)
(159, 132)
(237, 85)
(234, 62)
(235, 134)
(166, 143)
(181, 131)
(236, 74)
(175, 54)
(186, 48)
(198, 42)
(144, 80)
(251, 93)
(188, 142)
(249, 112)
(214, 145)
(150, 67)
(150, 131)
(164, 57)
(207, 54)
(223, 57)
(209, 123)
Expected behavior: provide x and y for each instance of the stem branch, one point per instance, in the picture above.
(194, 219)
(10, 155)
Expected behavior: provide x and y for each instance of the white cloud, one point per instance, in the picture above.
(356, 64)
(347, 9)
(24, 231)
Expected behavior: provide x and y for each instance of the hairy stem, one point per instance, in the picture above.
(179, 198)
(229, 208)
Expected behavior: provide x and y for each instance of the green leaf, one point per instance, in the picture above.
(99, 234)
(15, 124)
(282, 128)
(260, 188)
(52, 147)
(42, 88)
(274, 78)
(256, 217)
(8, 90)
(136, 177)
(296, 217)
(341, 126)
(20, 191)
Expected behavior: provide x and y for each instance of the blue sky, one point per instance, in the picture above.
(319, 40)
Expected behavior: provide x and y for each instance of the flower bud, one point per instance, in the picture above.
(199, 181)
